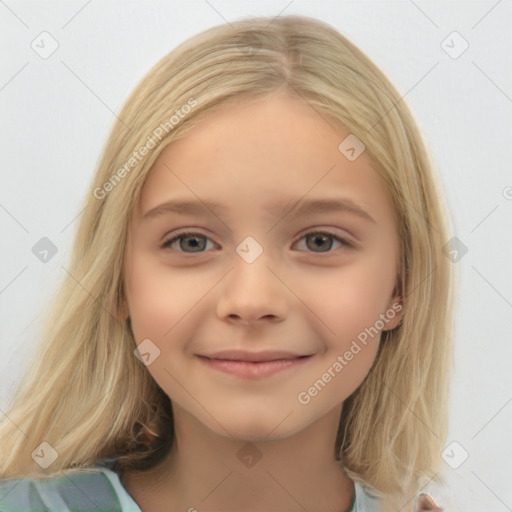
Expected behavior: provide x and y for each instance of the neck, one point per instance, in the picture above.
(209, 472)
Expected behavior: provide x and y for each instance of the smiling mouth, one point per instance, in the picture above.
(254, 369)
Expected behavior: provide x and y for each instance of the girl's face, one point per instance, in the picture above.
(252, 277)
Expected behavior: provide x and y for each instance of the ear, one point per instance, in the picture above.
(121, 312)
(395, 309)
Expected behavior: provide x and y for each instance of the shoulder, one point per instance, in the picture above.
(366, 501)
(90, 490)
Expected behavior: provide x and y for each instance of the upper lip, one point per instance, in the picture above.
(244, 355)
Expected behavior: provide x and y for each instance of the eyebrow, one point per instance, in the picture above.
(306, 207)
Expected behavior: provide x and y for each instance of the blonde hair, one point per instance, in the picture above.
(90, 398)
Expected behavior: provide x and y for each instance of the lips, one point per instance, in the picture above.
(254, 365)
(256, 357)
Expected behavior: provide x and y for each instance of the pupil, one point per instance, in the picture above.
(193, 242)
(320, 238)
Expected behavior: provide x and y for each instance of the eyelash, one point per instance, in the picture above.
(345, 243)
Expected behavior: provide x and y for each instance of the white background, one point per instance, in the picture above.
(56, 113)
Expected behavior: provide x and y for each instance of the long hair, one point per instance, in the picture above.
(90, 398)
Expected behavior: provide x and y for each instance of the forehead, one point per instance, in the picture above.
(262, 151)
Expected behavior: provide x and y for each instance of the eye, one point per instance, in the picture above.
(193, 237)
(320, 237)
(316, 237)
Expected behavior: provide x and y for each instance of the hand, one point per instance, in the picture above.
(425, 503)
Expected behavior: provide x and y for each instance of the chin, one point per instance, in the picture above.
(254, 427)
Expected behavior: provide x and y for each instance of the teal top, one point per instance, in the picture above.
(100, 489)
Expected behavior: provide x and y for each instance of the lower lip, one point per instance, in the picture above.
(256, 370)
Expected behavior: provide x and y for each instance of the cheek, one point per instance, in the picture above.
(158, 301)
(156, 298)
(350, 300)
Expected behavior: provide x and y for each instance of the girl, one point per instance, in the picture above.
(203, 352)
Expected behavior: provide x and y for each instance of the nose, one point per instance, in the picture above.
(252, 292)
